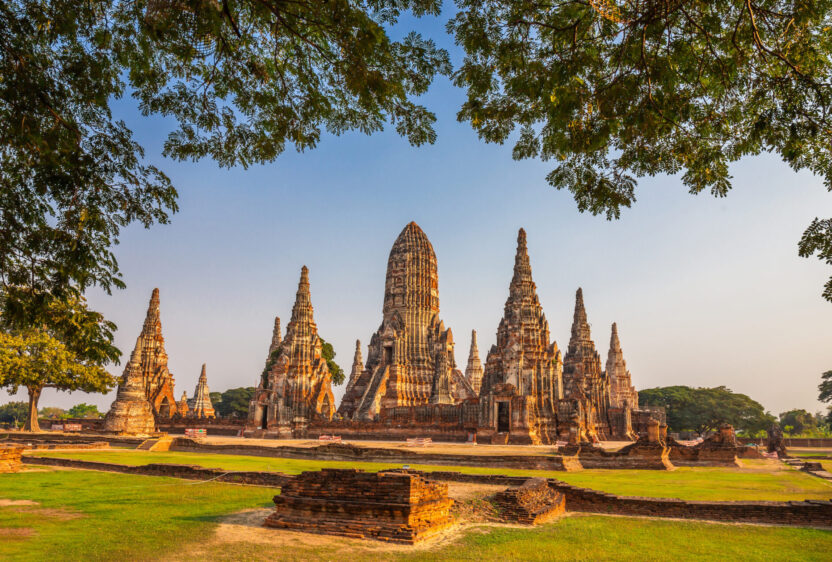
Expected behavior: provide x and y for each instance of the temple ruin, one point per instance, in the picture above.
(295, 387)
(527, 392)
(200, 405)
(410, 360)
(523, 371)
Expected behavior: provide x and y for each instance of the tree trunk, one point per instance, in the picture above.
(32, 422)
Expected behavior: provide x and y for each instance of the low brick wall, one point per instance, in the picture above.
(348, 452)
(188, 472)
(818, 442)
(809, 513)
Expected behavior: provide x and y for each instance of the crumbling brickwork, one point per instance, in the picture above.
(394, 507)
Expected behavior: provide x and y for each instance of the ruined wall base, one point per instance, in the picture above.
(392, 507)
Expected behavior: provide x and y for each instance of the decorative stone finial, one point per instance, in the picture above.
(580, 325)
(302, 311)
(276, 337)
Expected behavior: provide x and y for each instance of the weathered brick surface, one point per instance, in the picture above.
(10, 458)
(533, 502)
(394, 507)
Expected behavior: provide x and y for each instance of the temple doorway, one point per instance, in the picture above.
(388, 354)
(503, 417)
(264, 419)
(164, 408)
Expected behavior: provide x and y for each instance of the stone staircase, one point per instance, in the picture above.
(156, 444)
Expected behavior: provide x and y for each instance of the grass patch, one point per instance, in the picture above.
(757, 480)
(86, 515)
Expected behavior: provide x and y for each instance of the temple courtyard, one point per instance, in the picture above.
(93, 514)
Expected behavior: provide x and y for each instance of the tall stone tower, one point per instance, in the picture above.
(622, 392)
(410, 359)
(474, 371)
(158, 380)
(200, 405)
(522, 381)
(131, 412)
(148, 368)
(296, 386)
(584, 382)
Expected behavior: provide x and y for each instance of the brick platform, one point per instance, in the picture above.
(10, 459)
(533, 502)
(394, 507)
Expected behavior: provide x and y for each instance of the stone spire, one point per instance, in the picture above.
(474, 371)
(357, 367)
(302, 311)
(157, 379)
(183, 404)
(622, 391)
(522, 285)
(201, 406)
(276, 337)
(295, 386)
(583, 378)
(131, 412)
(580, 326)
(524, 362)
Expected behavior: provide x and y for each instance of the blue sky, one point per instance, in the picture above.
(705, 291)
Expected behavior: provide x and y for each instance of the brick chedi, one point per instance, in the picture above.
(200, 405)
(522, 382)
(357, 367)
(392, 506)
(585, 384)
(474, 370)
(131, 413)
(622, 392)
(183, 404)
(410, 359)
(150, 360)
(296, 387)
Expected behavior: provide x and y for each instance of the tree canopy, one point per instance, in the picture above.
(241, 82)
(825, 387)
(14, 412)
(615, 90)
(36, 360)
(233, 402)
(705, 409)
(84, 410)
(328, 353)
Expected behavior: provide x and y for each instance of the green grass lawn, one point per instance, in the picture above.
(760, 480)
(88, 515)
